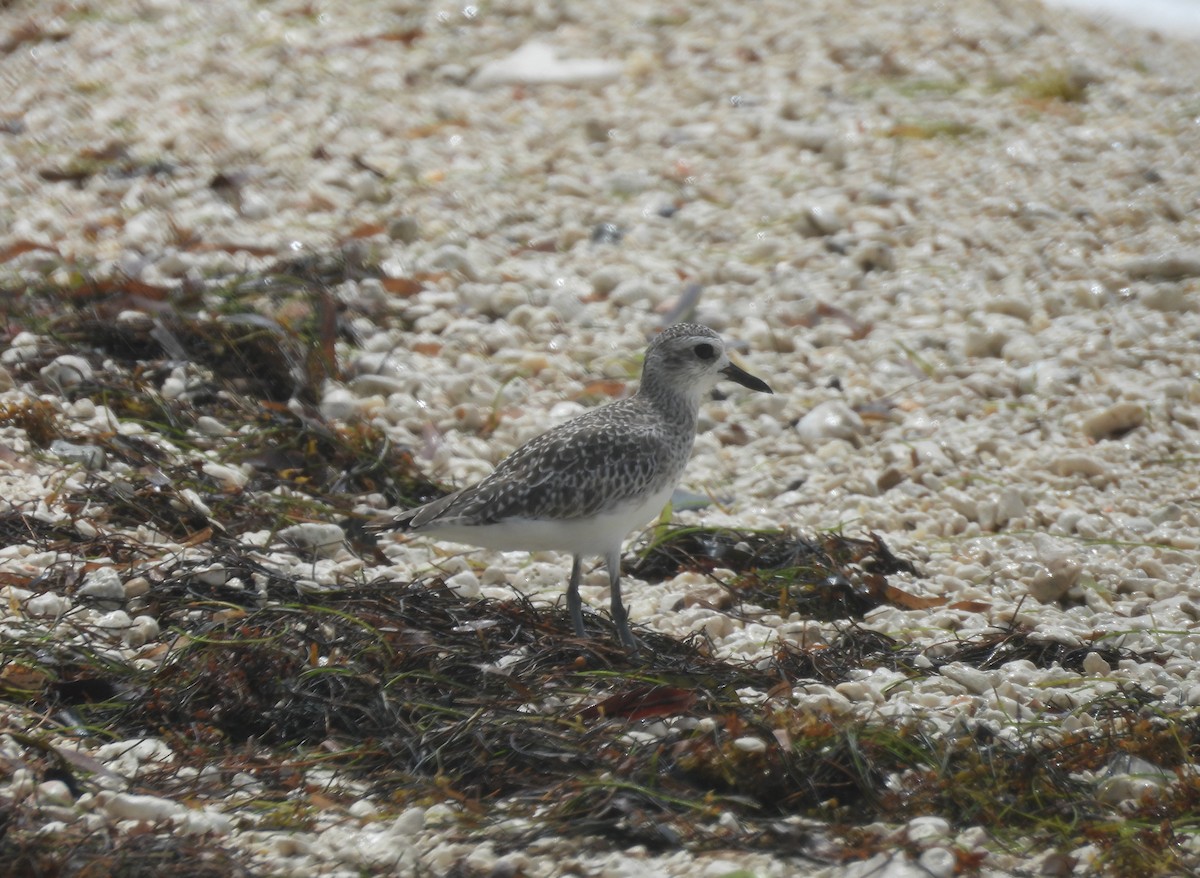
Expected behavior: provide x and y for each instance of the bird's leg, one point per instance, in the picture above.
(612, 561)
(574, 603)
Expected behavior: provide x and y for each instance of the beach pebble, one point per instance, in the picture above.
(1131, 778)
(203, 821)
(117, 620)
(750, 745)
(938, 862)
(90, 457)
(47, 604)
(921, 829)
(323, 539)
(453, 258)
(142, 630)
(1009, 506)
(102, 584)
(54, 792)
(1163, 266)
(130, 806)
(832, 419)
(1116, 420)
(822, 218)
(230, 478)
(465, 584)
(1079, 465)
(1059, 573)
(1094, 663)
(66, 371)
(405, 229)
(339, 404)
(1168, 297)
(972, 679)
(136, 586)
(539, 63)
(410, 822)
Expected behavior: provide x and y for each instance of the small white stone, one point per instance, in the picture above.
(926, 828)
(822, 218)
(136, 586)
(1059, 571)
(54, 792)
(213, 574)
(1128, 787)
(1079, 465)
(725, 868)
(90, 457)
(939, 862)
(67, 371)
(465, 584)
(1114, 421)
(173, 387)
(481, 859)
(1092, 527)
(1163, 266)
(339, 404)
(1009, 505)
(972, 679)
(439, 814)
(20, 784)
(632, 291)
(231, 478)
(117, 620)
(210, 426)
(750, 744)
(141, 631)
(129, 806)
(83, 409)
(452, 258)
(290, 845)
(1094, 663)
(321, 538)
(103, 584)
(47, 605)
(857, 690)
(538, 63)
(206, 821)
(190, 500)
(832, 419)
(410, 822)
(606, 278)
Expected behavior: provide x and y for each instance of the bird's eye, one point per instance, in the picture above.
(705, 351)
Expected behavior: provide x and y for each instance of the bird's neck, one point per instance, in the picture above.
(678, 408)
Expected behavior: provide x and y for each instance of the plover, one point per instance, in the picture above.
(583, 485)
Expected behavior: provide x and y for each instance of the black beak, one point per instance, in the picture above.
(736, 373)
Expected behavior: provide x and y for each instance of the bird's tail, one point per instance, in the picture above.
(415, 519)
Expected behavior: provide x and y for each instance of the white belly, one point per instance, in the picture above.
(597, 535)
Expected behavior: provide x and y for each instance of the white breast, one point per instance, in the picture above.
(581, 536)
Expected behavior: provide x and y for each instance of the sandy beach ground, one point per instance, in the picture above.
(959, 240)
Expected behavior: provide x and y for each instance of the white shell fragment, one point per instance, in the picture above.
(103, 584)
(67, 371)
(832, 419)
(322, 539)
(538, 63)
(1115, 420)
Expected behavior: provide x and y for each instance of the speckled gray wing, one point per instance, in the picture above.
(598, 461)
